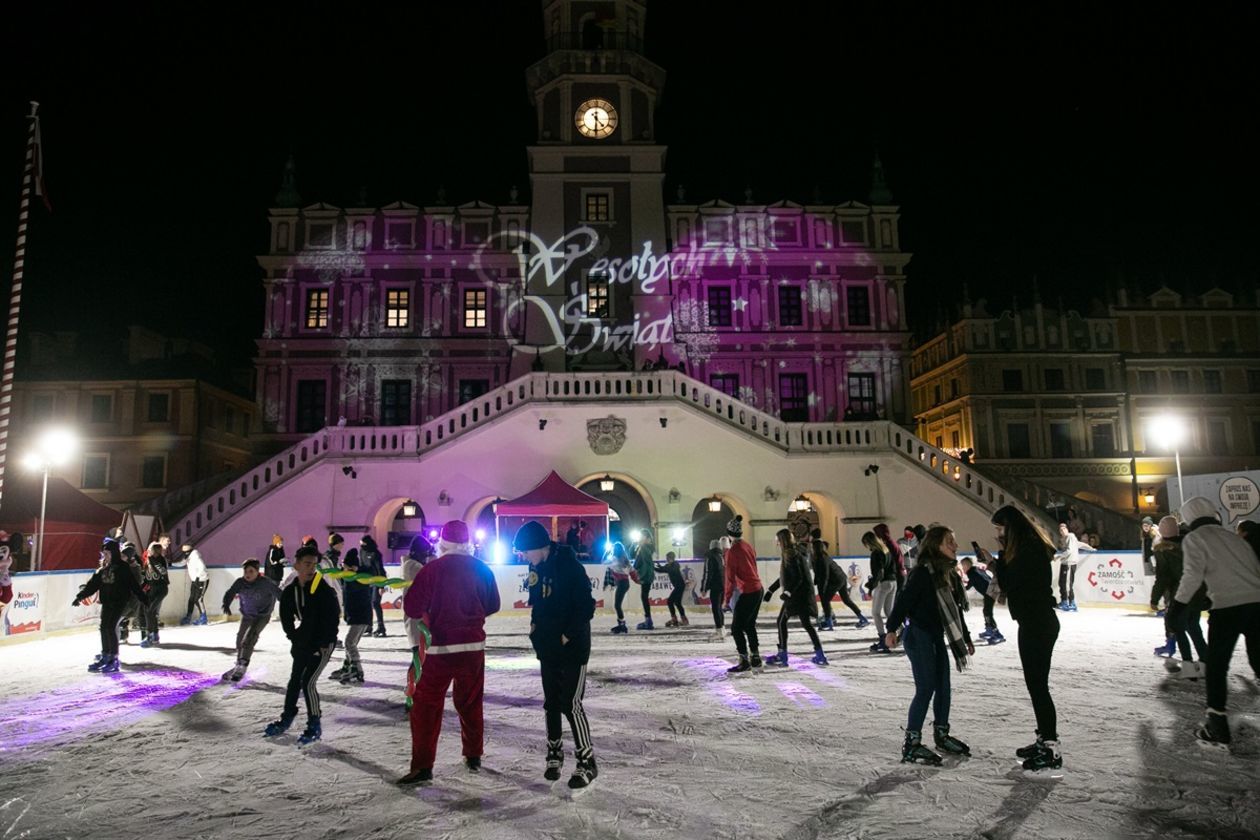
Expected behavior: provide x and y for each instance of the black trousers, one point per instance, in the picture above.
(304, 678)
(111, 617)
(149, 615)
(843, 591)
(785, 614)
(1067, 583)
(645, 593)
(377, 608)
(1036, 647)
(989, 623)
(715, 603)
(1224, 628)
(1189, 630)
(675, 601)
(623, 586)
(564, 685)
(744, 623)
(196, 591)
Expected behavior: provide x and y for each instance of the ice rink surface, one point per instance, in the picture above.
(166, 750)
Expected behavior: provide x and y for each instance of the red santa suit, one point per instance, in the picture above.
(452, 595)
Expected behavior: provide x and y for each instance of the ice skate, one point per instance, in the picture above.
(718, 635)
(555, 760)
(146, 642)
(780, 658)
(619, 628)
(422, 776)
(683, 622)
(185, 621)
(1046, 761)
(278, 727)
(755, 660)
(312, 732)
(948, 743)
(1167, 649)
(862, 621)
(739, 667)
(98, 663)
(646, 624)
(1030, 750)
(985, 633)
(234, 673)
(879, 647)
(472, 763)
(111, 666)
(203, 619)
(673, 622)
(354, 674)
(819, 658)
(340, 672)
(913, 751)
(1214, 731)
(996, 637)
(1189, 670)
(380, 633)
(583, 774)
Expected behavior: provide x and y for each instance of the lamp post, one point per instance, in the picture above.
(1169, 431)
(53, 449)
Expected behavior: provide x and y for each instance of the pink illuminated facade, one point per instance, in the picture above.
(394, 315)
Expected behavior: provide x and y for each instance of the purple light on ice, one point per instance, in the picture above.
(821, 674)
(102, 703)
(712, 672)
(800, 695)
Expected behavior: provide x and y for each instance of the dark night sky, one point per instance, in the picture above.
(1077, 147)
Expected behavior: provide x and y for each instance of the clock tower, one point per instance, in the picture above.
(597, 181)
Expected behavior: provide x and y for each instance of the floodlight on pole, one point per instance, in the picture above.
(53, 449)
(1169, 431)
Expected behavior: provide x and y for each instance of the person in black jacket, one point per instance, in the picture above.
(117, 585)
(357, 600)
(308, 613)
(1023, 568)
(677, 614)
(157, 583)
(134, 608)
(371, 562)
(882, 586)
(712, 582)
(273, 564)
(561, 608)
(798, 597)
(830, 581)
(933, 600)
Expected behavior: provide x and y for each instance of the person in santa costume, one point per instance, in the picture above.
(452, 595)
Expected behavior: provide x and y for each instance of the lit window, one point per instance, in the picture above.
(597, 295)
(316, 309)
(397, 308)
(598, 208)
(474, 308)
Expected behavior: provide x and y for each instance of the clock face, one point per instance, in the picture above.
(596, 118)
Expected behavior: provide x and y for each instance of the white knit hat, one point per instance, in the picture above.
(1198, 507)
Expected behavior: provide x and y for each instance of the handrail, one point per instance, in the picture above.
(543, 388)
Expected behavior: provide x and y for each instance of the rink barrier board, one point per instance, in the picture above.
(42, 600)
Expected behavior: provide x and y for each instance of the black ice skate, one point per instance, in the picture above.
(948, 743)
(913, 751)
(555, 760)
(584, 773)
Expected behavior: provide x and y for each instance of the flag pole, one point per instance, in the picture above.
(15, 296)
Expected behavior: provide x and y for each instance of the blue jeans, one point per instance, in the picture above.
(929, 661)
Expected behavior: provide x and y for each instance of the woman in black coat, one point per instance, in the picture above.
(1023, 569)
(798, 596)
(713, 583)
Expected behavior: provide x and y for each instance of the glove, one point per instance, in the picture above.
(769, 595)
(227, 610)
(75, 602)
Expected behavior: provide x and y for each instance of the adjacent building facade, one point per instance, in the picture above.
(1066, 399)
(394, 315)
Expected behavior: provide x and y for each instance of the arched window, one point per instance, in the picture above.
(707, 525)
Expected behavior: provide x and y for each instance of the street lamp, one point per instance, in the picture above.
(606, 484)
(1169, 431)
(53, 449)
(715, 505)
(800, 503)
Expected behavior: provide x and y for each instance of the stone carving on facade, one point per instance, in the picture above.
(606, 435)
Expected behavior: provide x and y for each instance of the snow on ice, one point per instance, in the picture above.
(166, 750)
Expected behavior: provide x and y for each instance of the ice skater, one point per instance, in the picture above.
(798, 597)
(198, 581)
(933, 601)
(670, 568)
(356, 598)
(645, 574)
(1023, 570)
(117, 585)
(1069, 556)
(1169, 562)
(882, 585)
(982, 582)
(371, 563)
(1231, 570)
(258, 595)
(157, 583)
(712, 582)
(452, 595)
(134, 609)
(274, 563)
(619, 565)
(899, 562)
(561, 608)
(743, 594)
(308, 613)
(830, 581)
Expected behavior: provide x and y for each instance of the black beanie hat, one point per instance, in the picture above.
(335, 539)
(351, 558)
(735, 527)
(420, 547)
(531, 536)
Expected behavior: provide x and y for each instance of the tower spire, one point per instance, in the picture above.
(288, 194)
(880, 194)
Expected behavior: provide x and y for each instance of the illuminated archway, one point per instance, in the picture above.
(393, 531)
(630, 507)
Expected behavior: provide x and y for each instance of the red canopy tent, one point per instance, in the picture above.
(551, 501)
(74, 526)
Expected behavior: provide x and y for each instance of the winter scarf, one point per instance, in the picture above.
(952, 622)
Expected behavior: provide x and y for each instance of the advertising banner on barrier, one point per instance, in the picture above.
(25, 613)
(1112, 577)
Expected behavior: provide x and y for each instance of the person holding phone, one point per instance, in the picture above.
(1023, 570)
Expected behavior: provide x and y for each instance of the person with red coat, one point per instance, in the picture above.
(743, 586)
(452, 595)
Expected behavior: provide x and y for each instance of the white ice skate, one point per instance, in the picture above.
(718, 635)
